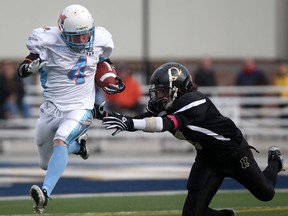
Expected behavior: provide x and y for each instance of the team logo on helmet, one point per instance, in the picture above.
(61, 22)
(174, 73)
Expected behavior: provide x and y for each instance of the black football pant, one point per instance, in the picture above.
(206, 178)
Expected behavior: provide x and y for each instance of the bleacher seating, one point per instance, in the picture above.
(260, 122)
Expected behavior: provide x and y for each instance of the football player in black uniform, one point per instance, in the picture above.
(176, 106)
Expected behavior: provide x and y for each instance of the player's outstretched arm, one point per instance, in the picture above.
(120, 123)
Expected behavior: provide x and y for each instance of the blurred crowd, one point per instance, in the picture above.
(13, 92)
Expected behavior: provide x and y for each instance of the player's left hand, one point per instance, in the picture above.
(35, 66)
(99, 111)
(115, 88)
(118, 122)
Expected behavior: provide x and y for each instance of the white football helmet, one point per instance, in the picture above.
(77, 27)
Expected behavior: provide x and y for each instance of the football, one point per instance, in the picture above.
(105, 74)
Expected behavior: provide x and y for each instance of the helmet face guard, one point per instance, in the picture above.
(159, 97)
(70, 38)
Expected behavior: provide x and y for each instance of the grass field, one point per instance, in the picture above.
(147, 205)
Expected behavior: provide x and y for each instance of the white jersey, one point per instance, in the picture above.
(68, 77)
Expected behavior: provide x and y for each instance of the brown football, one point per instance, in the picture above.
(105, 74)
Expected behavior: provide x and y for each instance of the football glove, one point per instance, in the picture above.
(98, 111)
(35, 65)
(115, 88)
(118, 122)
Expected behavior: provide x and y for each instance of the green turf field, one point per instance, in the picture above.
(148, 205)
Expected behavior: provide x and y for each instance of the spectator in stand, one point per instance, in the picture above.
(251, 75)
(128, 100)
(12, 92)
(205, 73)
(281, 80)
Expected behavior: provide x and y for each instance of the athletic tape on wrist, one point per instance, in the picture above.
(154, 124)
(151, 124)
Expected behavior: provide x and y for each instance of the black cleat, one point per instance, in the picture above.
(40, 198)
(84, 150)
(275, 154)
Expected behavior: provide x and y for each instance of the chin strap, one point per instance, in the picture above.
(173, 97)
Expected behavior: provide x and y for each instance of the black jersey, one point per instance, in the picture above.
(201, 123)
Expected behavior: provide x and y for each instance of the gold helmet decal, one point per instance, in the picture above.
(173, 74)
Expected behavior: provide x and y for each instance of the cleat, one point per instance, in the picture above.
(40, 198)
(275, 154)
(84, 151)
(228, 212)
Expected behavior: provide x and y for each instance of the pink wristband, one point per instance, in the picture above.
(174, 120)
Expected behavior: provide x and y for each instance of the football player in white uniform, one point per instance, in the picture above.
(66, 58)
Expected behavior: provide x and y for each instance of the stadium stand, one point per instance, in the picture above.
(263, 122)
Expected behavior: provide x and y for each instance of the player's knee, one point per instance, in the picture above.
(268, 196)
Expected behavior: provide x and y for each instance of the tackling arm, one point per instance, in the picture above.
(149, 124)
(153, 124)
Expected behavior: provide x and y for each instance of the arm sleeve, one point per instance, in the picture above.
(35, 42)
(144, 115)
(103, 38)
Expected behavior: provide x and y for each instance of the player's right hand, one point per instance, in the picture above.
(115, 88)
(35, 65)
(118, 122)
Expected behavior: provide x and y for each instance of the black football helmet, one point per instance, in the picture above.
(167, 83)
